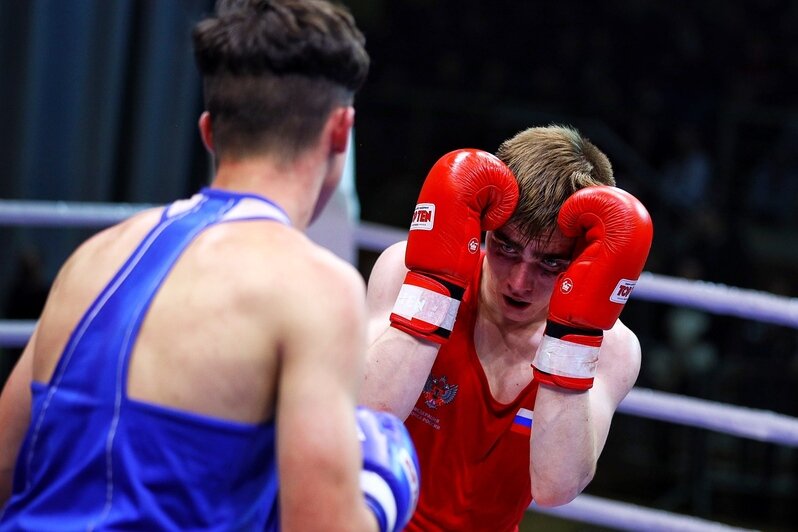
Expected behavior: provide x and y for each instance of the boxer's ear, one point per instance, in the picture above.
(341, 121)
(206, 130)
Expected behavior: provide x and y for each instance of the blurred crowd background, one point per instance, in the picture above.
(695, 103)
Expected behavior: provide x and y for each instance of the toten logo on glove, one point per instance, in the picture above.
(423, 217)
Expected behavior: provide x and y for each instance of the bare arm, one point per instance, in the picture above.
(571, 428)
(321, 368)
(15, 412)
(397, 364)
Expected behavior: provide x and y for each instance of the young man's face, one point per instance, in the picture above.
(518, 279)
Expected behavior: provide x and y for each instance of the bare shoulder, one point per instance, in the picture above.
(82, 276)
(133, 228)
(115, 242)
(323, 270)
(285, 265)
(316, 307)
(103, 253)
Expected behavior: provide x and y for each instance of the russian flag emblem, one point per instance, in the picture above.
(522, 424)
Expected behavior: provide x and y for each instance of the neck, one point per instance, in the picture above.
(514, 337)
(294, 186)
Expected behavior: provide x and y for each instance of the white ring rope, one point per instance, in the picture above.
(754, 424)
(718, 299)
(761, 425)
(15, 333)
(626, 516)
(715, 298)
(62, 213)
(710, 297)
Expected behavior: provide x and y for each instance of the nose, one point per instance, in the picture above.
(521, 281)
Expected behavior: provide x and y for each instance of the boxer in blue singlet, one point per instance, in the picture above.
(188, 354)
(140, 447)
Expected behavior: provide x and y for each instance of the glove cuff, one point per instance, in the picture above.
(558, 381)
(577, 335)
(427, 307)
(389, 477)
(567, 356)
(380, 499)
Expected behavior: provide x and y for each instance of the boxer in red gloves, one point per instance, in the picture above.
(508, 364)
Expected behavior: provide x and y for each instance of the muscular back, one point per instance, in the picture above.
(214, 340)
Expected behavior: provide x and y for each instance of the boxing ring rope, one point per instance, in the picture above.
(701, 295)
(714, 298)
(65, 214)
(626, 516)
(15, 333)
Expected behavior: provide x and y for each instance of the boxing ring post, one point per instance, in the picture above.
(760, 425)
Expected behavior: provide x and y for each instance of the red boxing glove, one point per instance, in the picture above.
(614, 233)
(465, 192)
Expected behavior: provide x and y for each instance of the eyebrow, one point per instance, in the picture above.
(506, 240)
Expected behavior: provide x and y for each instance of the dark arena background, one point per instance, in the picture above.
(695, 103)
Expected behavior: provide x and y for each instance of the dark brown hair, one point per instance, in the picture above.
(273, 70)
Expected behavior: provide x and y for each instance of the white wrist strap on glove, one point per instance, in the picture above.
(375, 487)
(566, 359)
(417, 303)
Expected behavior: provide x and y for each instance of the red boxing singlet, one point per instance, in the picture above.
(473, 450)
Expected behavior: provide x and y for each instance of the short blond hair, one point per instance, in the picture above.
(550, 163)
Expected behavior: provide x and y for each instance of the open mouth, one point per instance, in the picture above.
(515, 303)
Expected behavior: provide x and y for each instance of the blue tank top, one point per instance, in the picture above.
(95, 459)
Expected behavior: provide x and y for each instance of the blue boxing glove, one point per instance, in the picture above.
(390, 476)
